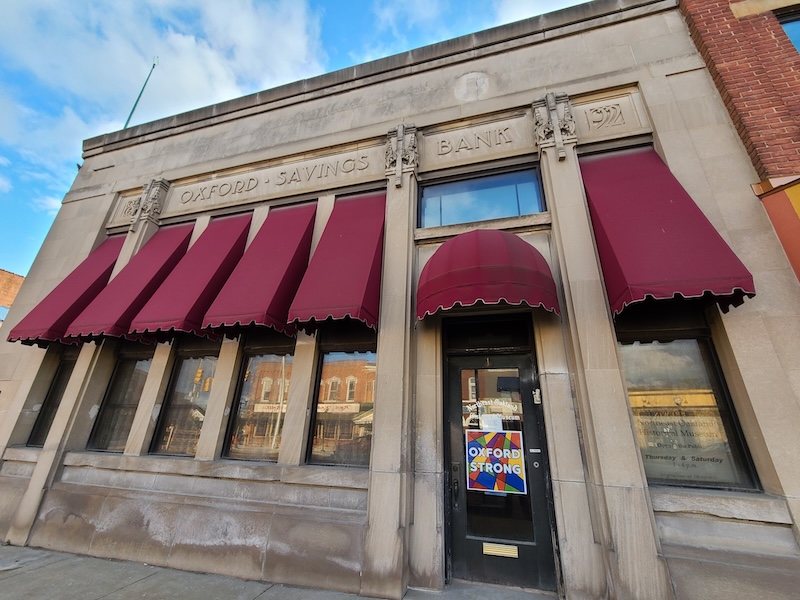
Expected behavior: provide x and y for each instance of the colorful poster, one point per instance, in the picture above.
(495, 461)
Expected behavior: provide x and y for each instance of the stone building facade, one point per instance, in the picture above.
(504, 308)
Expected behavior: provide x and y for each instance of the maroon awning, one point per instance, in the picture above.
(486, 266)
(111, 312)
(343, 279)
(181, 301)
(652, 238)
(263, 284)
(48, 319)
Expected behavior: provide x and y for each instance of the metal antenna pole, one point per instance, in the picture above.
(155, 62)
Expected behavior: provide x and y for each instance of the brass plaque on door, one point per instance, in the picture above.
(505, 550)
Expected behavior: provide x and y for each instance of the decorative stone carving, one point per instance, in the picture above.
(132, 208)
(147, 207)
(401, 144)
(607, 116)
(391, 155)
(542, 127)
(554, 123)
(567, 123)
(410, 152)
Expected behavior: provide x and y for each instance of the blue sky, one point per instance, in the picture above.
(71, 69)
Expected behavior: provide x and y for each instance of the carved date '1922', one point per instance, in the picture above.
(605, 116)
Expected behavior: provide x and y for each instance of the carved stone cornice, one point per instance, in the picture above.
(147, 206)
(554, 124)
(402, 154)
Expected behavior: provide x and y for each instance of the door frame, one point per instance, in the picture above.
(514, 349)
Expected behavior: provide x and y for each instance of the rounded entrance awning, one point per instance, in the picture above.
(486, 266)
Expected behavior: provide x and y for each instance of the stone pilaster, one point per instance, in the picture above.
(385, 570)
(622, 518)
(86, 386)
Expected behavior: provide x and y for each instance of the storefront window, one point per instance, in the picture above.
(480, 199)
(260, 408)
(47, 412)
(342, 423)
(184, 408)
(687, 431)
(114, 422)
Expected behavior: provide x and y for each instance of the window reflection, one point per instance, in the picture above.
(113, 425)
(342, 429)
(480, 199)
(261, 407)
(47, 412)
(684, 425)
(184, 410)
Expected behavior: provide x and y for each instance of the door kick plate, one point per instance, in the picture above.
(505, 550)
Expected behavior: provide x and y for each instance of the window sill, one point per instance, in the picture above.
(509, 223)
(757, 507)
(22, 454)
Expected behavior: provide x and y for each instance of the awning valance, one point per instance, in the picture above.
(263, 284)
(48, 319)
(486, 266)
(180, 303)
(111, 312)
(652, 239)
(343, 279)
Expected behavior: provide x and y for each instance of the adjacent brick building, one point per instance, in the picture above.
(756, 68)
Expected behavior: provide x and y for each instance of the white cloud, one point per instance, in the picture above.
(92, 57)
(47, 204)
(508, 11)
(5, 182)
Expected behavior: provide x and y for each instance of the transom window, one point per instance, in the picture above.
(790, 20)
(481, 199)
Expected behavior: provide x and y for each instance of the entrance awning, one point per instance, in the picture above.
(48, 319)
(263, 284)
(486, 266)
(182, 300)
(652, 238)
(111, 312)
(343, 279)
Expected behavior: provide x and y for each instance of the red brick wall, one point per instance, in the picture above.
(757, 71)
(9, 286)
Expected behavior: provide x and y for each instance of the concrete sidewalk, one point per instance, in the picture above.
(34, 574)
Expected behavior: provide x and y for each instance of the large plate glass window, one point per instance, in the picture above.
(342, 419)
(114, 422)
(259, 409)
(47, 412)
(685, 423)
(184, 408)
(481, 199)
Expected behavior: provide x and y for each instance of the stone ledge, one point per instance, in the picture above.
(728, 505)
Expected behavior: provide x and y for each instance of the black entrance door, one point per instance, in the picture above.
(500, 528)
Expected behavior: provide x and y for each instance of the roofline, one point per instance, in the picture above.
(534, 30)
